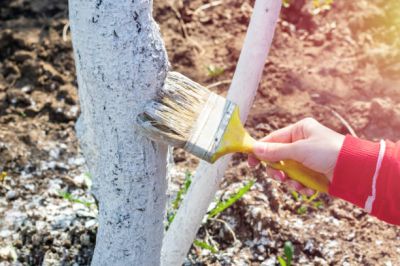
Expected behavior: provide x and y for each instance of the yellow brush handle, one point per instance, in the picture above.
(236, 139)
(302, 174)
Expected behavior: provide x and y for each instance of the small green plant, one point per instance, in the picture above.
(184, 188)
(2, 176)
(222, 205)
(318, 5)
(204, 245)
(288, 250)
(215, 71)
(321, 5)
(286, 3)
(71, 198)
(302, 210)
(295, 195)
(306, 203)
(179, 197)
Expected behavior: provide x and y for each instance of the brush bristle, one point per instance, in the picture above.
(171, 116)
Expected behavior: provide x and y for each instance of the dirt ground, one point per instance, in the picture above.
(344, 60)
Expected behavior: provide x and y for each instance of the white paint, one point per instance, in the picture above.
(182, 231)
(121, 62)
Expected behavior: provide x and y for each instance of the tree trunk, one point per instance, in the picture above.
(183, 229)
(121, 62)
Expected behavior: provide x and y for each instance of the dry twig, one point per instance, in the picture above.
(344, 122)
(218, 83)
(65, 31)
(228, 227)
(207, 6)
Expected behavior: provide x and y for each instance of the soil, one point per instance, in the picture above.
(345, 60)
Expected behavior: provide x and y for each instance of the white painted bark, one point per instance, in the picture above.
(206, 180)
(121, 62)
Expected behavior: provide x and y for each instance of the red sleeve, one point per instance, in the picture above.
(354, 172)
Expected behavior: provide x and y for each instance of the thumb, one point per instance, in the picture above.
(273, 152)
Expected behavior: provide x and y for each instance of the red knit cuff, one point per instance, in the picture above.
(354, 170)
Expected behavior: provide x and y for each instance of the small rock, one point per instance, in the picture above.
(18, 98)
(18, 243)
(69, 93)
(91, 223)
(85, 239)
(21, 56)
(30, 187)
(261, 249)
(61, 222)
(8, 254)
(5, 233)
(11, 195)
(309, 247)
(54, 185)
(318, 39)
(37, 240)
(77, 161)
(40, 225)
(79, 180)
(269, 262)
(55, 153)
(26, 89)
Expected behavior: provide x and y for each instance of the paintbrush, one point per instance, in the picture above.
(187, 115)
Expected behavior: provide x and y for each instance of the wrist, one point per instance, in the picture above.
(338, 142)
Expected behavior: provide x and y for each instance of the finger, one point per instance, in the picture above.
(294, 132)
(273, 152)
(294, 185)
(252, 161)
(276, 174)
(307, 191)
(282, 135)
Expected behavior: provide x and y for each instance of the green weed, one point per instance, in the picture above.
(288, 250)
(214, 71)
(204, 245)
(286, 3)
(318, 5)
(222, 205)
(323, 4)
(71, 198)
(179, 197)
(2, 176)
(306, 202)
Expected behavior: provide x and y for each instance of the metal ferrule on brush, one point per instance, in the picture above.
(210, 127)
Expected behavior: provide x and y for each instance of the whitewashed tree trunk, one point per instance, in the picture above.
(121, 62)
(183, 229)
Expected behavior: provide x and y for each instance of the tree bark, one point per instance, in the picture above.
(121, 62)
(183, 229)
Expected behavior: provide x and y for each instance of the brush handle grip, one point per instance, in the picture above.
(302, 174)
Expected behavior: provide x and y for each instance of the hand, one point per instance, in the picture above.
(307, 142)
